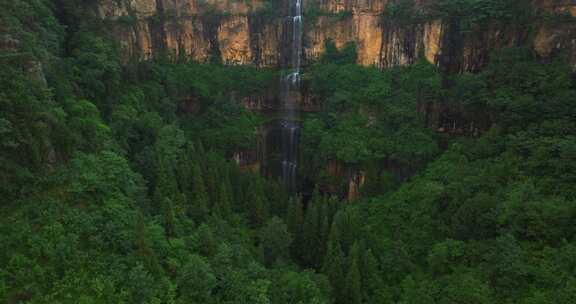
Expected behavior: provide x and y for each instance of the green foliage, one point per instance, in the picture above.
(269, 10)
(353, 278)
(226, 127)
(107, 199)
(294, 287)
(275, 241)
(90, 131)
(31, 124)
(369, 115)
(346, 55)
(199, 203)
(333, 266)
(402, 12)
(257, 204)
(212, 82)
(196, 281)
(480, 12)
(468, 14)
(313, 12)
(32, 25)
(117, 187)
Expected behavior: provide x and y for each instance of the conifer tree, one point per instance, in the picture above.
(165, 183)
(257, 204)
(168, 218)
(323, 230)
(278, 198)
(348, 222)
(227, 180)
(310, 234)
(199, 150)
(353, 282)
(371, 281)
(294, 216)
(294, 221)
(184, 170)
(333, 266)
(211, 179)
(199, 207)
(221, 207)
(164, 193)
(274, 240)
(235, 179)
(206, 240)
(145, 251)
(333, 206)
(354, 255)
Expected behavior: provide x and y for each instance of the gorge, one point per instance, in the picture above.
(288, 151)
(386, 34)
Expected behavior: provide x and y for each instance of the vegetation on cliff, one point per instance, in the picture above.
(118, 185)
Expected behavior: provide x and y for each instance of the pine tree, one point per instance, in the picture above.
(168, 218)
(310, 235)
(235, 178)
(199, 149)
(199, 207)
(221, 207)
(226, 179)
(278, 198)
(323, 231)
(257, 204)
(185, 170)
(333, 206)
(349, 225)
(149, 258)
(165, 183)
(353, 282)
(354, 255)
(274, 240)
(211, 179)
(208, 245)
(164, 193)
(294, 216)
(333, 266)
(294, 221)
(371, 281)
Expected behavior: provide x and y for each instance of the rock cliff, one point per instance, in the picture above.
(251, 32)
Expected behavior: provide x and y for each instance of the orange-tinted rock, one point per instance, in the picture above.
(234, 40)
(236, 31)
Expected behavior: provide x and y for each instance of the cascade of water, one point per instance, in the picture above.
(290, 96)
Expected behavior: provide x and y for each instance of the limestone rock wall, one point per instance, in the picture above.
(251, 32)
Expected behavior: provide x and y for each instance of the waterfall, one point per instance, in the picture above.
(290, 95)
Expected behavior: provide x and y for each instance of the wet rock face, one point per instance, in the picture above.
(251, 32)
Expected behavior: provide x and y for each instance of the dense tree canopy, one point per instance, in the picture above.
(118, 185)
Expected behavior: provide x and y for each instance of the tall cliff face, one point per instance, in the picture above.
(251, 32)
(230, 31)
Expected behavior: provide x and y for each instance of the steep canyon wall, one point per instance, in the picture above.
(251, 32)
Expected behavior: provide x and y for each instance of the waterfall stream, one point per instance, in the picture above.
(290, 95)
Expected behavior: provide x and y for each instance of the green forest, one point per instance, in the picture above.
(111, 192)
